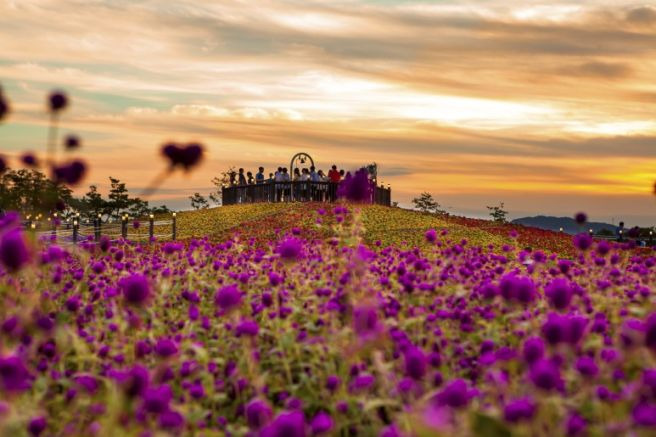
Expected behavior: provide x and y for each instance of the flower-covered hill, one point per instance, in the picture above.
(386, 225)
(307, 320)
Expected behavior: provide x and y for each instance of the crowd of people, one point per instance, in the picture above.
(282, 175)
(309, 184)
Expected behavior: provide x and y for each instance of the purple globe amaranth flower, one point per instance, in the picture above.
(57, 101)
(575, 425)
(157, 399)
(587, 366)
(166, 348)
(644, 414)
(455, 394)
(71, 173)
(228, 297)
(559, 293)
(415, 363)
(357, 188)
(533, 349)
(14, 253)
(186, 157)
(72, 142)
(247, 327)
(14, 376)
(517, 288)
(37, 425)
(258, 413)
(136, 289)
(290, 249)
(519, 409)
(170, 419)
(332, 382)
(582, 241)
(321, 423)
(564, 328)
(545, 375)
(29, 159)
(581, 218)
(136, 381)
(286, 424)
(431, 235)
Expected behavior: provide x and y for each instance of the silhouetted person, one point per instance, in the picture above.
(259, 177)
(333, 174)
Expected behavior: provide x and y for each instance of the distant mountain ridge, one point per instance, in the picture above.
(568, 224)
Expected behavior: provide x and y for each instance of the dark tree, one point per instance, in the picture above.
(497, 213)
(426, 203)
(31, 192)
(226, 179)
(198, 201)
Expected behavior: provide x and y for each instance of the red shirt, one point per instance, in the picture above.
(334, 176)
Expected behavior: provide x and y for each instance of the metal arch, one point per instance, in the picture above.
(291, 169)
(298, 155)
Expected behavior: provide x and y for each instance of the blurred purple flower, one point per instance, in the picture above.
(587, 366)
(185, 157)
(14, 253)
(559, 293)
(37, 425)
(356, 188)
(286, 424)
(228, 297)
(71, 173)
(582, 241)
(258, 413)
(321, 423)
(136, 289)
(533, 349)
(415, 363)
(455, 394)
(581, 218)
(644, 414)
(72, 142)
(14, 376)
(575, 425)
(170, 419)
(545, 375)
(4, 106)
(29, 159)
(156, 399)
(57, 101)
(519, 409)
(166, 348)
(290, 249)
(247, 327)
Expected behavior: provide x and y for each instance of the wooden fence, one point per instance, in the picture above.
(74, 231)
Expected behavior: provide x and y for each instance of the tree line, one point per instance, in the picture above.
(31, 192)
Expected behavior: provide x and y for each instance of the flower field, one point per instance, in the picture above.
(299, 320)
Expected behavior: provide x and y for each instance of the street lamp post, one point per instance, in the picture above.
(174, 231)
(151, 227)
(75, 230)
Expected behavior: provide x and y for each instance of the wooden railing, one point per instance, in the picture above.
(297, 191)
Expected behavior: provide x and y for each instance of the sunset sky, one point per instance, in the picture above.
(547, 106)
